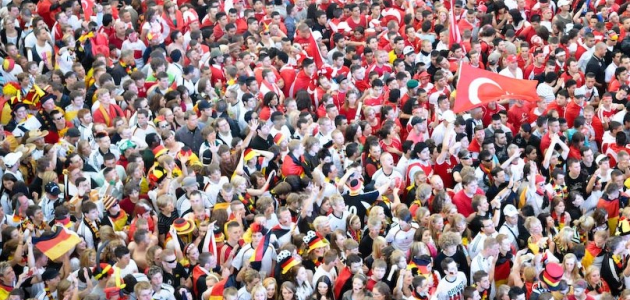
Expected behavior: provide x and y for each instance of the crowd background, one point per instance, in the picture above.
(302, 150)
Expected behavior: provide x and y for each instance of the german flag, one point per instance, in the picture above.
(57, 243)
(255, 261)
(217, 290)
(591, 254)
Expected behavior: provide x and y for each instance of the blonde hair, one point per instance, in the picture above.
(575, 273)
(531, 221)
(84, 259)
(529, 274)
(257, 289)
(564, 237)
(433, 219)
(448, 239)
(270, 280)
(50, 176)
(395, 257)
(420, 213)
(589, 271)
(376, 246)
(374, 211)
(423, 192)
(585, 223)
(419, 248)
(238, 180)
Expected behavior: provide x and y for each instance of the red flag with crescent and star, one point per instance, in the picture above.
(455, 36)
(476, 87)
(314, 52)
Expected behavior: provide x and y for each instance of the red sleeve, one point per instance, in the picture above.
(370, 169)
(544, 143)
(599, 129)
(264, 114)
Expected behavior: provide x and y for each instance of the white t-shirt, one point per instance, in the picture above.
(401, 239)
(451, 290)
(338, 223)
(246, 253)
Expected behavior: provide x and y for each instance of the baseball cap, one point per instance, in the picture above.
(73, 132)
(416, 120)
(511, 58)
(52, 188)
(448, 116)
(203, 104)
(612, 35)
(509, 210)
(600, 158)
(12, 158)
(408, 50)
(412, 84)
(494, 57)
(189, 181)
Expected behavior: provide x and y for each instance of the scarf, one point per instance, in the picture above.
(560, 190)
(377, 163)
(105, 114)
(486, 171)
(619, 261)
(96, 235)
(248, 202)
(49, 294)
(30, 172)
(355, 234)
(119, 221)
(128, 68)
(41, 226)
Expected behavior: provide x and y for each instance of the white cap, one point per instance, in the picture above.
(448, 116)
(600, 158)
(12, 158)
(509, 210)
(408, 50)
(564, 2)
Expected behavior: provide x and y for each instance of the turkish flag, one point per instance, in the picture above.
(314, 52)
(454, 36)
(392, 14)
(476, 87)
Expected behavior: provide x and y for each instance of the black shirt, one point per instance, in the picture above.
(174, 279)
(259, 143)
(460, 259)
(358, 204)
(164, 222)
(577, 184)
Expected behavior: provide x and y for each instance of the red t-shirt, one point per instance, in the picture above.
(464, 203)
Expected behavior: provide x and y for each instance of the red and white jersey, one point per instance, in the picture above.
(138, 48)
(338, 26)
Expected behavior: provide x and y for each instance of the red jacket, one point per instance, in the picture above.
(303, 82)
(47, 11)
(290, 166)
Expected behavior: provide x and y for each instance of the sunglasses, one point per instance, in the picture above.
(466, 157)
(171, 261)
(487, 160)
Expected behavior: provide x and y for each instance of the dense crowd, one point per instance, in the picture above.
(294, 150)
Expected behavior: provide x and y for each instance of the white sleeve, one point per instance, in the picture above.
(237, 262)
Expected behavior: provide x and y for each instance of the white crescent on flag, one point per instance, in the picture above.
(391, 13)
(473, 88)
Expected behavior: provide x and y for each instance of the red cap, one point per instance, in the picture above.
(511, 58)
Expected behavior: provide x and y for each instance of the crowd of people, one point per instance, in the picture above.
(294, 150)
